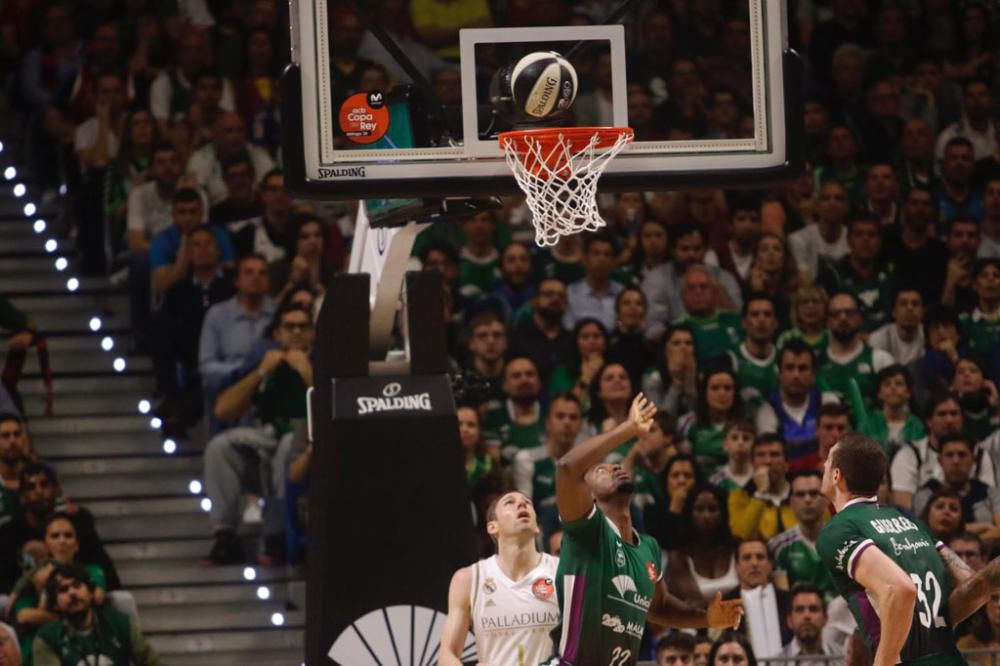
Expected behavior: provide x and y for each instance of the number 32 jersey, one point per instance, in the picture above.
(863, 524)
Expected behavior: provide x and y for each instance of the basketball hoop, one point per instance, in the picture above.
(558, 169)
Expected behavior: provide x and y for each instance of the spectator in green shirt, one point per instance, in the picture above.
(978, 397)
(585, 359)
(477, 461)
(794, 550)
(487, 348)
(479, 263)
(719, 402)
(892, 423)
(516, 423)
(808, 313)
(715, 330)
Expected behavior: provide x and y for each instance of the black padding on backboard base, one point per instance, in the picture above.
(344, 322)
(389, 515)
(428, 347)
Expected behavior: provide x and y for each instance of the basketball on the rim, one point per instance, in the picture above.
(542, 83)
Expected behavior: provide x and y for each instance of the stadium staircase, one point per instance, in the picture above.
(148, 502)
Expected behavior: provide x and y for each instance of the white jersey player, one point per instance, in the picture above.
(509, 599)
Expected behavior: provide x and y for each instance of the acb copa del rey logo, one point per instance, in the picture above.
(394, 400)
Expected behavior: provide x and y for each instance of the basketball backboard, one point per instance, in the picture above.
(706, 109)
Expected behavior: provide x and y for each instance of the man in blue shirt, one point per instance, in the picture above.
(230, 329)
(169, 257)
(594, 295)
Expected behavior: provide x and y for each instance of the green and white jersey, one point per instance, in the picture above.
(715, 335)
(837, 374)
(476, 276)
(534, 472)
(863, 524)
(758, 377)
(649, 486)
(502, 427)
(798, 558)
(605, 588)
(982, 330)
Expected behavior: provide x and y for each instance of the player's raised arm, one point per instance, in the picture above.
(573, 497)
(896, 595)
(456, 627)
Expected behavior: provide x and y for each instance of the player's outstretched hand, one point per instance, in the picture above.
(724, 614)
(641, 413)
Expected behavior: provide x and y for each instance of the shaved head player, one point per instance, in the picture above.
(609, 579)
(509, 599)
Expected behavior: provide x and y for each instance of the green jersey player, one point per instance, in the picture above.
(888, 566)
(609, 578)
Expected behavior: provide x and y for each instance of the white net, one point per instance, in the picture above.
(559, 180)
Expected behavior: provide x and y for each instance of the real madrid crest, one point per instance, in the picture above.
(489, 586)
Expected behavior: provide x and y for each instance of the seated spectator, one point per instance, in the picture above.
(562, 261)
(806, 619)
(754, 359)
(903, 337)
(764, 604)
(15, 454)
(172, 92)
(229, 330)
(981, 326)
(850, 364)
(169, 255)
(917, 462)
(833, 420)
(737, 254)
(980, 503)
(731, 648)
(676, 648)
(266, 234)
(962, 242)
(792, 410)
(977, 397)
(135, 156)
(914, 250)
(586, 357)
(702, 561)
(40, 496)
(240, 204)
(240, 459)
(84, 629)
(702, 648)
(647, 461)
(774, 273)
(594, 295)
(760, 510)
(651, 249)
(794, 550)
(178, 328)
(534, 470)
(665, 519)
(517, 423)
(150, 205)
(479, 263)
(808, 318)
(826, 240)
(892, 423)
(943, 514)
(487, 347)
(718, 403)
(308, 257)
(541, 337)
(971, 549)
(229, 138)
(477, 461)
(516, 287)
(206, 106)
(611, 393)
(716, 331)
(628, 343)
(662, 285)
(882, 190)
(934, 371)
(737, 442)
(27, 599)
(975, 127)
(98, 138)
(861, 273)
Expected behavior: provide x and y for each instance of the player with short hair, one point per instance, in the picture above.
(888, 566)
(508, 599)
(609, 579)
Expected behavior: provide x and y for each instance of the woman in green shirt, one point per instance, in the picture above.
(477, 461)
(808, 315)
(718, 402)
(586, 358)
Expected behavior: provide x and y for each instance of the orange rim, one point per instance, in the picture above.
(575, 137)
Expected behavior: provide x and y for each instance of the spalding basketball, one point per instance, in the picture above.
(543, 83)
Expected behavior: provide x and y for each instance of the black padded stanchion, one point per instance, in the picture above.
(389, 519)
